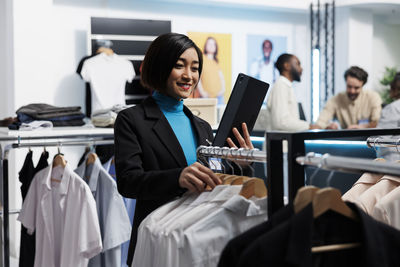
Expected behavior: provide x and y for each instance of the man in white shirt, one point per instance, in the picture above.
(282, 105)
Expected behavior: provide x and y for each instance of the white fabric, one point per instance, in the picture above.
(144, 244)
(107, 76)
(283, 108)
(36, 125)
(115, 225)
(170, 235)
(80, 235)
(204, 241)
(262, 71)
(387, 209)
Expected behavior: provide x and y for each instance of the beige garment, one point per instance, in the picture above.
(369, 198)
(365, 109)
(363, 183)
(283, 109)
(387, 209)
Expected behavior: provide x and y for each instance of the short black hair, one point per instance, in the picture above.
(358, 73)
(282, 59)
(267, 41)
(161, 56)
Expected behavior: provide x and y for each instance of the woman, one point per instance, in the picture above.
(156, 141)
(212, 82)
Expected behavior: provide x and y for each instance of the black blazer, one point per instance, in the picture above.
(149, 158)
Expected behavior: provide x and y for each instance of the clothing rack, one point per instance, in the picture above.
(379, 141)
(296, 148)
(348, 164)
(253, 155)
(15, 142)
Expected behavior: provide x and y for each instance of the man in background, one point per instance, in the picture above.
(282, 105)
(391, 119)
(353, 109)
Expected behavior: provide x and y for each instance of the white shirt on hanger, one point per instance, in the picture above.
(204, 241)
(145, 245)
(67, 227)
(107, 75)
(172, 233)
(115, 225)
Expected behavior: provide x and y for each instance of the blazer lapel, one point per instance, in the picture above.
(164, 131)
(202, 135)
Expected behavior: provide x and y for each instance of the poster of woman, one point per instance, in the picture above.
(215, 81)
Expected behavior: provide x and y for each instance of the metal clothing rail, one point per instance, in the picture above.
(48, 141)
(349, 164)
(296, 148)
(253, 155)
(374, 142)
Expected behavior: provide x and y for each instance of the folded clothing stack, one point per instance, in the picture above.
(106, 117)
(58, 116)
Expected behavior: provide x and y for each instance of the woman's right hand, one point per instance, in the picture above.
(196, 177)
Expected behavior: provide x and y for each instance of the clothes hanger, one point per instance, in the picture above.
(59, 160)
(228, 179)
(255, 187)
(304, 196)
(91, 158)
(240, 180)
(108, 51)
(330, 199)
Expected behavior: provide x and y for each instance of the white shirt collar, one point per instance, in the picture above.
(286, 80)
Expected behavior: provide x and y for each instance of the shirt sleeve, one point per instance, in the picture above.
(85, 72)
(376, 107)
(28, 213)
(89, 229)
(327, 113)
(280, 115)
(130, 72)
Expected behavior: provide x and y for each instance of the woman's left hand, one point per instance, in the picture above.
(244, 141)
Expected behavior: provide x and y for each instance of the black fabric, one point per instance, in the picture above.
(290, 243)
(26, 174)
(88, 93)
(233, 250)
(43, 111)
(149, 158)
(105, 152)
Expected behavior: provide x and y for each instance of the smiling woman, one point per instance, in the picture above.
(156, 141)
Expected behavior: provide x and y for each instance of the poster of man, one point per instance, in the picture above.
(262, 52)
(215, 81)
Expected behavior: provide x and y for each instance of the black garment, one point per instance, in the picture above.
(290, 243)
(88, 93)
(26, 174)
(149, 158)
(233, 250)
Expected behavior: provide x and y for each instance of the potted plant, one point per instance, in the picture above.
(388, 77)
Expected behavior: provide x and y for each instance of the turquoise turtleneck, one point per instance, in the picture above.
(180, 124)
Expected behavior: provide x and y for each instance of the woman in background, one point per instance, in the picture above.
(212, 83)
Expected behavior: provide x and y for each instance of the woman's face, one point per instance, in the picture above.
(184, 76)
(211, 46)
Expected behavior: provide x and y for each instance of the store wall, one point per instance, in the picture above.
(50, 39)
(6, 58)
(354, 38)
(386, 47)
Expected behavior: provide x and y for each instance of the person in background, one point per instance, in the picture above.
(282, 105)
(212, 82)
(390, 118)
(263, 68)
(156, 141)
(355, 108)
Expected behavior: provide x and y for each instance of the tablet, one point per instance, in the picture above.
(244, 105)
